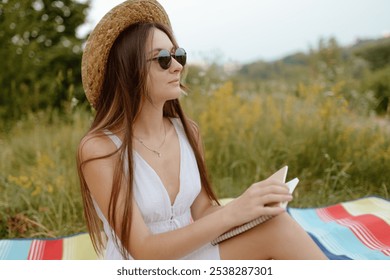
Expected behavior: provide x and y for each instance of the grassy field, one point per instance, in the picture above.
(39, 188)
(336, 154)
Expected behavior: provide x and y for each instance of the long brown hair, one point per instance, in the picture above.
(124, 90)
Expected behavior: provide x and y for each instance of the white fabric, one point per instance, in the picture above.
(153, 200)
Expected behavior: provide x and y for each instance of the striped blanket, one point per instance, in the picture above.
(75, 247)
(357, 229)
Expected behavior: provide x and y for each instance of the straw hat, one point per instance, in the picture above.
(101, 39)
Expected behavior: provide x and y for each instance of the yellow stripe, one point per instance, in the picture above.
(78, 247)
(370, 205)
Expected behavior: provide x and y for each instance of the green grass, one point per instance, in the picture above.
(336, 154)
(39, 188)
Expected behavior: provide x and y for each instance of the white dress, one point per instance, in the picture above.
(153, 200)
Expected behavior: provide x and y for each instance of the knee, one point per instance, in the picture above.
(283, 225)
(291, 229)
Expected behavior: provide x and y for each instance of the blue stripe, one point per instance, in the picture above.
(326, 252)
(14, 250)
(335, 239)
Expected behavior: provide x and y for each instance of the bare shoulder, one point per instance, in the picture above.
(95, 145)
(98, 159)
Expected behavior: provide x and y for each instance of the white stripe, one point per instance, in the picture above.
(42, 249)
(378, 243)
(32, 250)
(360, 230)
(366, 235)
(339, 247)
(37, 250)
(324, 215)
(4, 249)
(333, 245)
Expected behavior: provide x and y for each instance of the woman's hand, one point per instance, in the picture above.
(261, 198)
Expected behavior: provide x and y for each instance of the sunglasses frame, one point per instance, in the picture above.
(164, 58)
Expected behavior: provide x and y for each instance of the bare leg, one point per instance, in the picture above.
(278, 238)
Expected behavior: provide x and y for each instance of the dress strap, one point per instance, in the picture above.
(113, 138)
(179, 127)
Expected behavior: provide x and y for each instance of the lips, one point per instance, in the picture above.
(174, 81)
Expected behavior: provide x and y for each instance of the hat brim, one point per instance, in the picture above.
(101, 39)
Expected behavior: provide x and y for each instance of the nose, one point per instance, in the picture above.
(176, 66)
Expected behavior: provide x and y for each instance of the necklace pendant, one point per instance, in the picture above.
(150, 149)
(156, 152)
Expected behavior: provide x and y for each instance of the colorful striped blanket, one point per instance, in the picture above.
(75, 247)
(358, 229)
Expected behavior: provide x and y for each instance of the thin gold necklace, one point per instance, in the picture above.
(150, 149)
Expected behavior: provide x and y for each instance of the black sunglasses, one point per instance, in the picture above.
(164, 58)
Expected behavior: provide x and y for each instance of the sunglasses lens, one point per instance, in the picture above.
(181, 56)
(164, 59)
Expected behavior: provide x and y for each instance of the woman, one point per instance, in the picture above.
(141, 164)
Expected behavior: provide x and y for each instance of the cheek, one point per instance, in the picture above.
(155, 81)
(152, 82)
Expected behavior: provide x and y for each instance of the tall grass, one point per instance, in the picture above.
(336, 154)
(39, 189)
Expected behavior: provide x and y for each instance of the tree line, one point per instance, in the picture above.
(40, 55)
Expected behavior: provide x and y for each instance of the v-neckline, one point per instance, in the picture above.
(165, 190)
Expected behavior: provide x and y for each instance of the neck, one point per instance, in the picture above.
(149, 122)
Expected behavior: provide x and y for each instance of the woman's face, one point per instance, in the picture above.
(162, 84)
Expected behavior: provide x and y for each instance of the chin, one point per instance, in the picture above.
(174, 94)
(168, 94)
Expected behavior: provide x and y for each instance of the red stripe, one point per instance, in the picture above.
(368, 228)
(53, 250)
(45, 250)
(36, 249)
(363, 234)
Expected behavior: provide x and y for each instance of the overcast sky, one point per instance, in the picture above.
(248, 30)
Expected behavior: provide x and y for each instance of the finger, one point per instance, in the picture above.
(262, 195)
(272, 211)
(275, 198)
(272, 183)
(277, 189)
